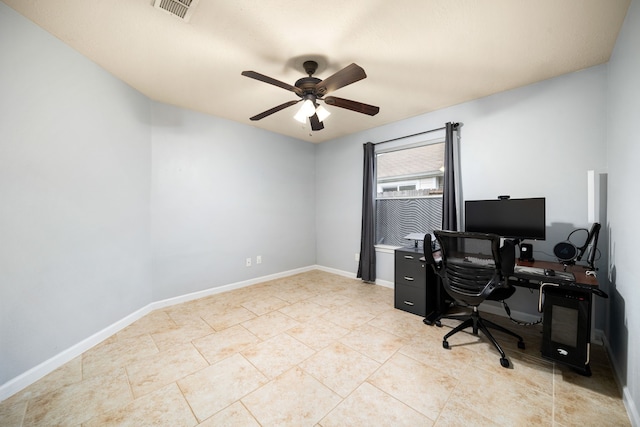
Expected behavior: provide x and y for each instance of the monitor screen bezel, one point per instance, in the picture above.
(540, 228)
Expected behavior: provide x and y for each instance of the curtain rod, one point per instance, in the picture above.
(455, 125)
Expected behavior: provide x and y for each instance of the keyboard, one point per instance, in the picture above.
(535, 273)
(484, 262)
(487, 262)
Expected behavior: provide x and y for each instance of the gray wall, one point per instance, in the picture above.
(538, 140)
(623, 152)
(75, 174)
(109, 201)
(223, 192)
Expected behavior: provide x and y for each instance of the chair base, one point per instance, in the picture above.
(435, 317)
(474, 321)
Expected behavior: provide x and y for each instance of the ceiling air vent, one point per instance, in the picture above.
(183, 9)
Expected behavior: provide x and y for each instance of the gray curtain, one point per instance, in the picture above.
(449, 209)
(367, 263)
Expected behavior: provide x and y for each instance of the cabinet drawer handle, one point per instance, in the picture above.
(410, 279)
(408, 302)
(408, 257)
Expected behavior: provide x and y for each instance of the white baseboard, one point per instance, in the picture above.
(225, 288)
(627, 399)
(37, 372)
(350, 275)
(597, 336)
(630, 405)
(34, 374)
(385, 283)
(335, 271)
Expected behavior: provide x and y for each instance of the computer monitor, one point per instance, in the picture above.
(510, 218)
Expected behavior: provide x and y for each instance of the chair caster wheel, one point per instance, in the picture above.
(445, 344)
(427, 322)
(504, 362)
(438, 324)
(521, 344)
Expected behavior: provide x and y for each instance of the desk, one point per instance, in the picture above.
(566, 311)
(587, 283)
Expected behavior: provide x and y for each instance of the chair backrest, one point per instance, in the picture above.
(472, 264)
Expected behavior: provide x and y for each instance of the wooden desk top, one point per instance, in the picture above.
(579, 271)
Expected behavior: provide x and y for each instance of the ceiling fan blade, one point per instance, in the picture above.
(273, 110)
(346, 76)
(272, 81)
(359, 107)
(316, 124)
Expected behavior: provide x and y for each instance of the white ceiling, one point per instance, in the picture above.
(419, 55)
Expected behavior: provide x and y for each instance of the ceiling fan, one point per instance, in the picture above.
(311, 89)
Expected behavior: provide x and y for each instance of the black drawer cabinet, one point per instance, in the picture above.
(411, 281)
(417, 288)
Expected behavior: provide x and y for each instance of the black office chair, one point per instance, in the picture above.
(473, 269)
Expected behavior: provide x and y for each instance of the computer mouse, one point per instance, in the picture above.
(549, 272)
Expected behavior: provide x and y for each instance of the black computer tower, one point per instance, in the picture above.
(566, 327)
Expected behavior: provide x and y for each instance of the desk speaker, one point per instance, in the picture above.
(526, 252)
(565, 251)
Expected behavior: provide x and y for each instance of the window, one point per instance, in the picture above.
(409, 192)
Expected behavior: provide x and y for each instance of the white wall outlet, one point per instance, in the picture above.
(259, 259)
(357, 256)
(248, 263)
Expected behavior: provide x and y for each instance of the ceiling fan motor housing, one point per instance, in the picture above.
(310, 67)
(308, 85)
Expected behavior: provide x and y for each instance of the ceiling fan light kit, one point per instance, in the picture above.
(322, 113)
(307, 110)
(311, 90)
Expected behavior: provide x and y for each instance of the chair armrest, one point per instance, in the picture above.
(428, 255)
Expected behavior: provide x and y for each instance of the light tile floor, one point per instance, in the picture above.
(314, 349)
